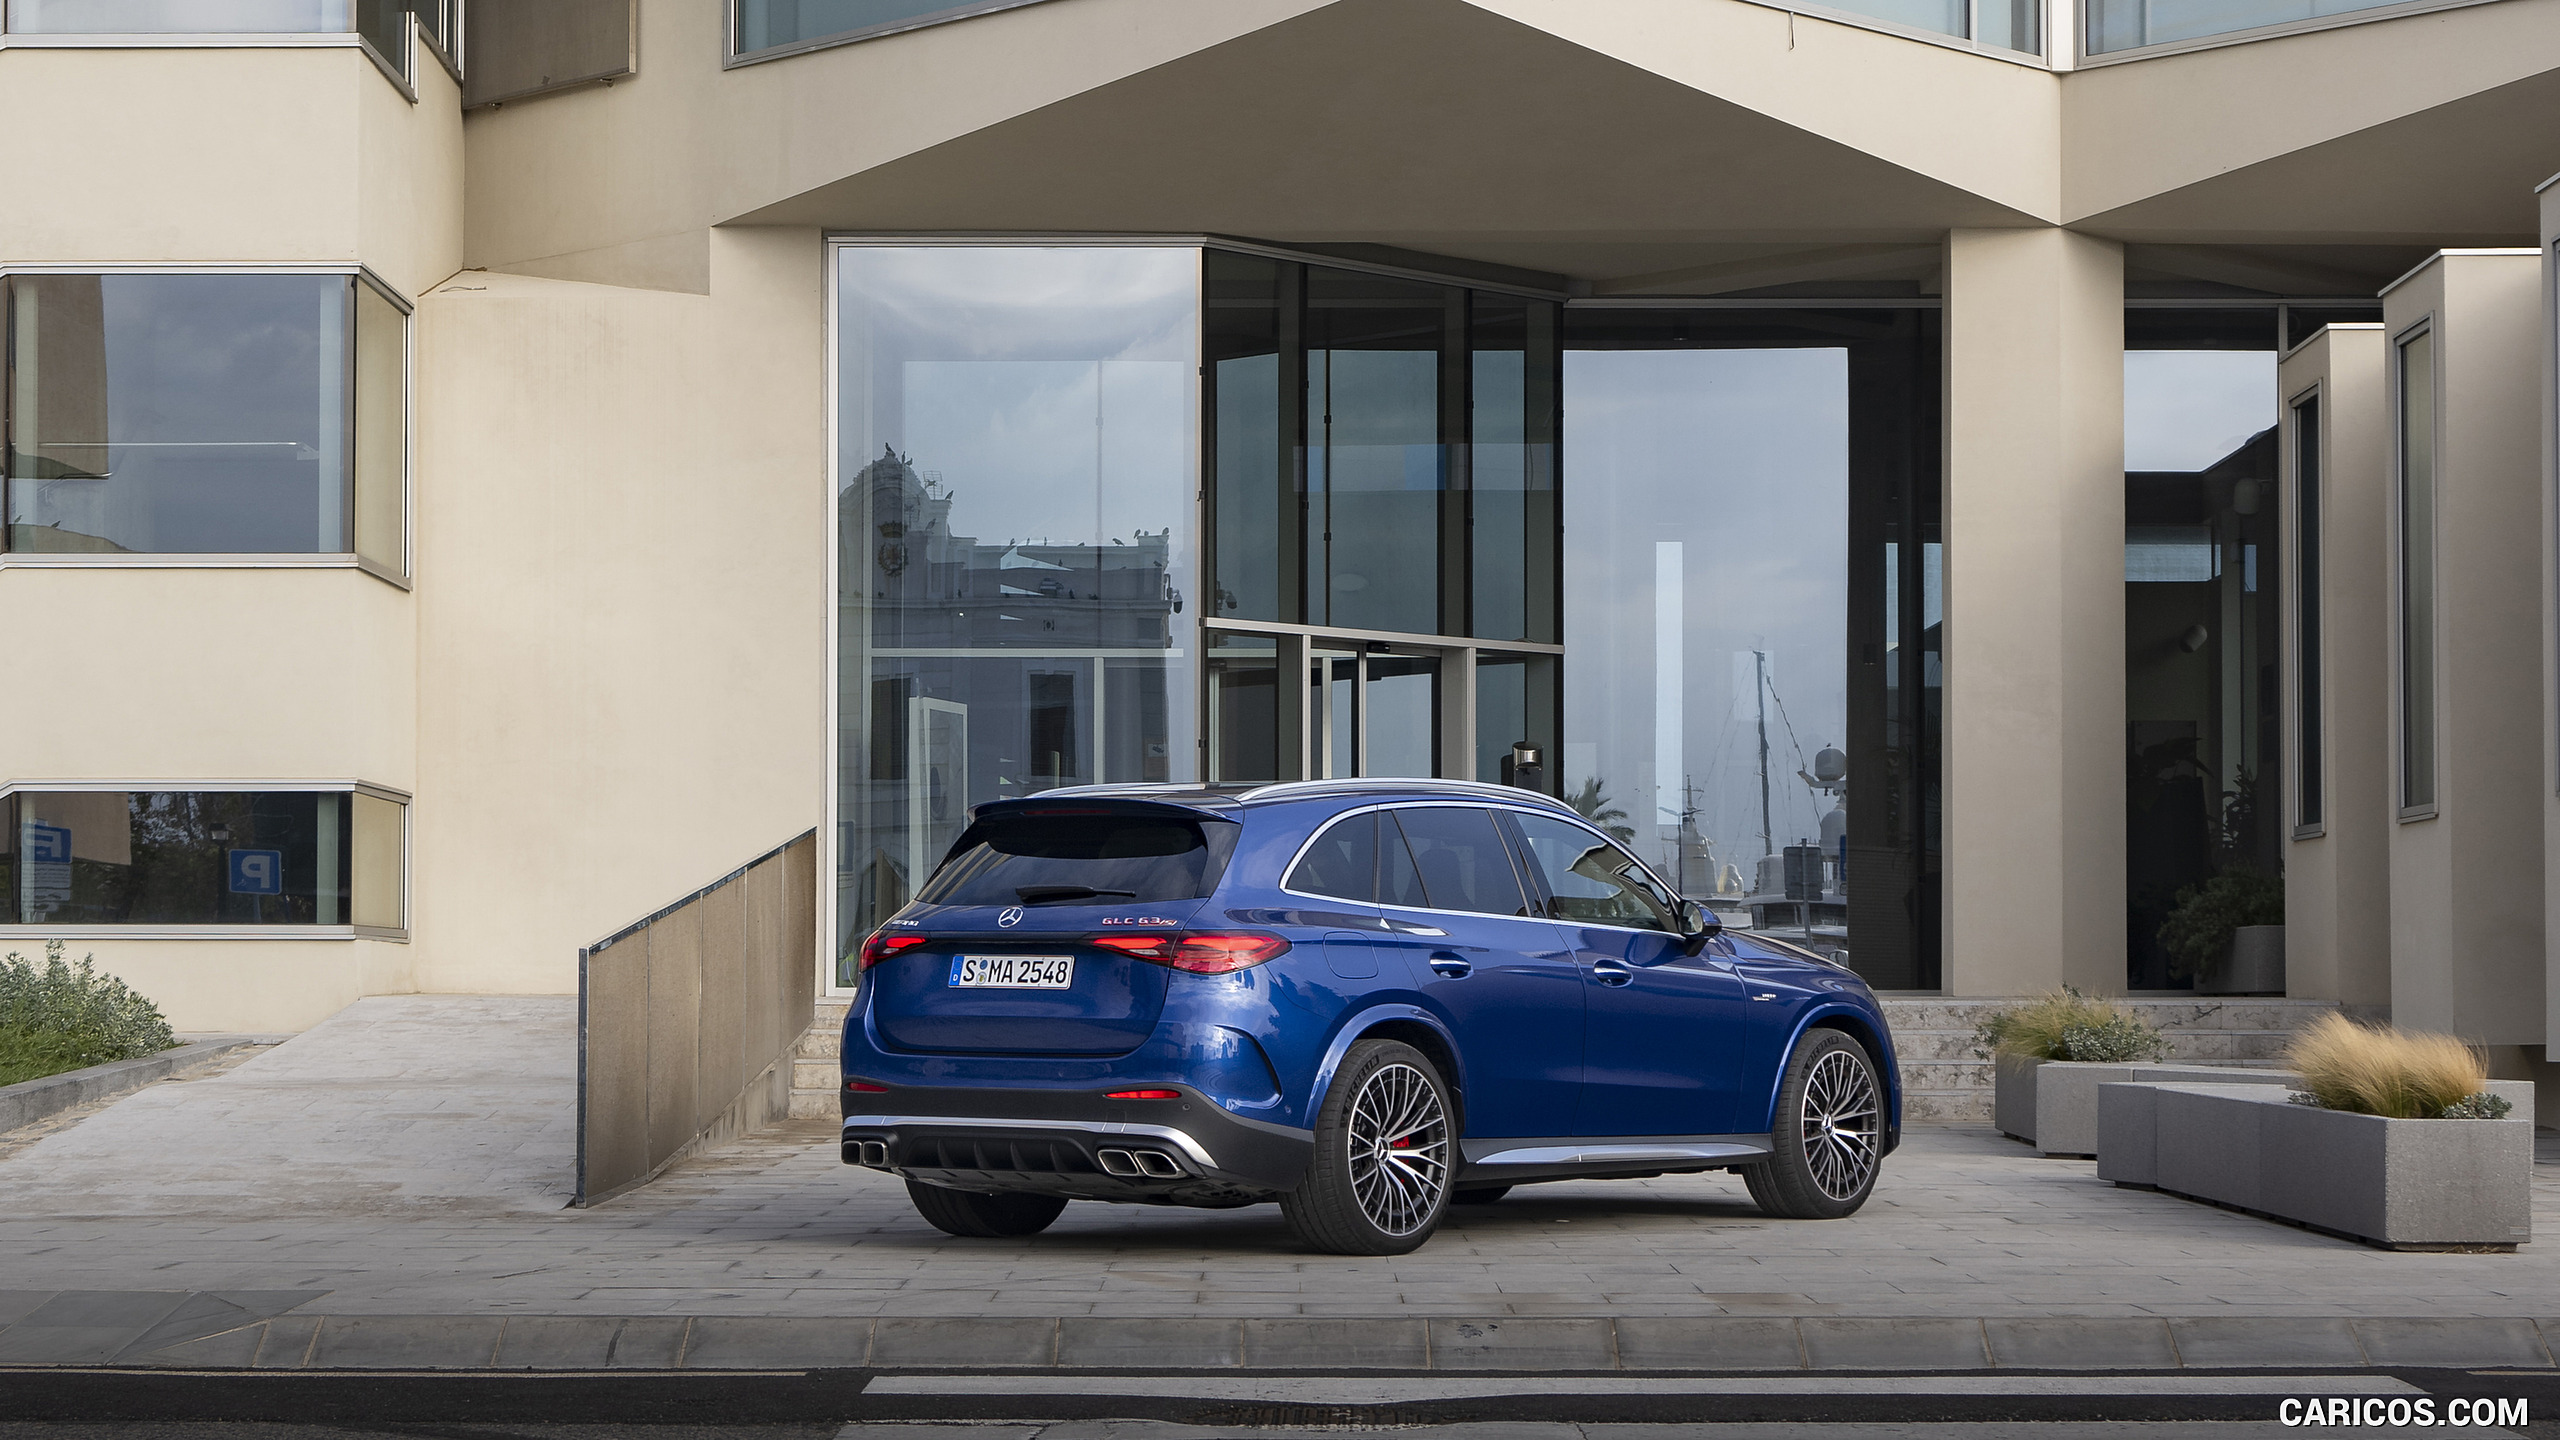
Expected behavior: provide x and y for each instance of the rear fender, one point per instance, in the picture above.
(1358, 1026)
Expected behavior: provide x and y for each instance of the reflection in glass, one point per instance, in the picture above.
(1377, 470)
(1516, 704)
(1244, 709)
(1018, 465)
(199, 858)
(770, 24)
(1254, 434)
(203, 414)
(1401, 719)
(1746, 705)
(2417, 387)
(2202, 622)
(2129, 24)
(1512, 465)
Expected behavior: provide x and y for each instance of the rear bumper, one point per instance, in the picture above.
(1074, 1143)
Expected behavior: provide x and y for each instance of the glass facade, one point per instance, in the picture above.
(2203, 739)
(205, 414)
(1753, 615)
(782, 24)
(2114, 25)
(2414, 382)
(1018, 472)
(224, 857)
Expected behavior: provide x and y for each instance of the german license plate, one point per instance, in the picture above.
(1013, 972)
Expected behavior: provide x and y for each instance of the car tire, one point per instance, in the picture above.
(1827, 1139)
(1480, 1195)
(1378, 1181)
(975, 1215)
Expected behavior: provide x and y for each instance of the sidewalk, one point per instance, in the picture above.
(344, 1201)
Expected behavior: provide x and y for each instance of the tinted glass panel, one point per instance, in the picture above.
(162, 858)
(1079, 860)
(1253, 452)
(768, 24)
(2417, 387)
(178, 17)
(1512, 459)
(1377, 470)
(2306, 581)
(1343, 861)
(2129, 24)
(1399, 883)
(179, 413)
(1462, 860)
(1593, 881)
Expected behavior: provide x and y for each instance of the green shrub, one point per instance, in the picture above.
(2067, 1025)
(2196, 933)
(64, 1017)
(2480, 1106)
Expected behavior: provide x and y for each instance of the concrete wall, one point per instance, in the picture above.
(2337, 880)
(2467, 882)
(687, 1020)
(2034, 768)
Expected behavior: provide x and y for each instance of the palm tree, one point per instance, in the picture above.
(1593, 805)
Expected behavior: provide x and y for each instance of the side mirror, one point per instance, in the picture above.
(1701, 926)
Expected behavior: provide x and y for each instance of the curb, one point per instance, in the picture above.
(31, 1100)
(252, 1331)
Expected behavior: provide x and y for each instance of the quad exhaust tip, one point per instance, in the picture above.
(1135, 1164)
(875, 1152)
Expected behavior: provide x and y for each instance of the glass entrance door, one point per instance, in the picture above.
(1370, 708)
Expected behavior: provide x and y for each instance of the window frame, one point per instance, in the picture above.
(396, 70)
(2309, 533)
(347, 559)
(2427, 328)
(731, 57)
(2082, 58)
(153, 931)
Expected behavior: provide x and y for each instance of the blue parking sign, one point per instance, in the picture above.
(257, 872)
(49, 844)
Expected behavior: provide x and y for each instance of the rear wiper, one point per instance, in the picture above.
(1038, 894)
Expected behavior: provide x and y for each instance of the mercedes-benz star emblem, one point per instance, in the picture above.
(1011, 917)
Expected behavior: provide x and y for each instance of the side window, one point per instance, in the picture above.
(1461, 859)
(1592, 880)
(1343, 861)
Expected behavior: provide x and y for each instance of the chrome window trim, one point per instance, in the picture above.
(1455, 803)
(732, 58)
(1166, 1133)
(2082, 59)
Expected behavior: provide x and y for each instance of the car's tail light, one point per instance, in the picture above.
(882, 945)
(1202, 952)
(1144, 1095)
(865, 1087)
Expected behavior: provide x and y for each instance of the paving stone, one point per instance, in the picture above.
(912, 1344)
(1345, 1344)
(1708, 1343)
(16, 1305)
(1524, 1344)
(286, 1343)
(560, 1342)
(1893, 1344)
(2061, 1342)
(2272, 1341)
(407, 1342)
(729, 1342)
(2451, 1341)
(206, 1313)
(1186, 1343)
(230, 1350)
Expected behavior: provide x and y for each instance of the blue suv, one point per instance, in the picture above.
(1364, 999)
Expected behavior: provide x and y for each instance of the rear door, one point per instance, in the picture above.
(1665, 1032)
(1495, 970)
(1008, 965)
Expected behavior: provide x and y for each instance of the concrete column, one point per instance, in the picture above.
(2337, 871)
(2034, 740)
(2466, 865)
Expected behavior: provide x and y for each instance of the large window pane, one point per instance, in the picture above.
(2203, 630)
(185, 413)
(201, 858)
(772, 24)
(1250, 329)
(1377, 465)
(2417, 387)
(1751, 511)
(2130, 24)
(1512, 460)
(381, 430)
(1018, 472)
(179, 17)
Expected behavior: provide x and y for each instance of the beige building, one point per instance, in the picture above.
(474, 480)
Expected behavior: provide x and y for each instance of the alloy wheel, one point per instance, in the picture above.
(1841, 1121)
(1399, 1149)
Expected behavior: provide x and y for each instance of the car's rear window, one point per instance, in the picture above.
(1094, 858)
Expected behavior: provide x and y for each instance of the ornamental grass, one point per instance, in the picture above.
(2067, 1025)
(2398, 1074)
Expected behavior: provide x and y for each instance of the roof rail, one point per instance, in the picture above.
(1288, 788)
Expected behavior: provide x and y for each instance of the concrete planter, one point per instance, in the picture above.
(2053, 1104)
(2411, 1184)
(2252, 964)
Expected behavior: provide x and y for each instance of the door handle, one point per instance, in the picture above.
(1450, 967)
(1611, 972)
